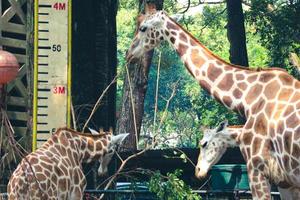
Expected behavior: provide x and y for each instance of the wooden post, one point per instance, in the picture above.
(29, 64)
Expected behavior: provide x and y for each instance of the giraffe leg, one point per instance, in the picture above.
(289, 193)
(259, 184)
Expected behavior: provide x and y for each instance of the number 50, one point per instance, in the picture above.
(56, 47)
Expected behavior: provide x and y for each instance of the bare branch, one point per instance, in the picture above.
(96, 106)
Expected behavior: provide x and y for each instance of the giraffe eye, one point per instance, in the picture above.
(143, 28)
(204, 145)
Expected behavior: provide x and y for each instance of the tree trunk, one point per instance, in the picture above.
(236, 33)
(130, 119)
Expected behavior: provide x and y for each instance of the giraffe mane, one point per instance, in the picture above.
(221, 59)
(59, 130)
(236, 126)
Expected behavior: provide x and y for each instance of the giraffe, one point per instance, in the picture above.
(269, 99)
(214, 144)
(54, 171)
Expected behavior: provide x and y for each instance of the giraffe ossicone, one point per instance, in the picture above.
(269, 99)
(54, 171)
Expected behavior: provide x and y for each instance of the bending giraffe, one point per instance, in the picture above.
(215, 143)
(269, 99)
(54, 171)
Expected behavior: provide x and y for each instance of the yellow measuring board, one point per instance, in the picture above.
(52, 68)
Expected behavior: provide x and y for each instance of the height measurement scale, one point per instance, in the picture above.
(52, 68)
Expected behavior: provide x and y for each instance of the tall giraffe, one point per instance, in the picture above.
(54, 171)
(214, 144)
(269, 99)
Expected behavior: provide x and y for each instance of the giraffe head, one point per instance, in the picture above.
(113, 142)
(116, 140)
(212, 146)
(150, 33)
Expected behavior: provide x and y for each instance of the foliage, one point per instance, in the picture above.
(171, 187)
(277, 23)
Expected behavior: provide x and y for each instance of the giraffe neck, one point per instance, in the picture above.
(81, 147)
(232, 135)
(95, 147)
(213, 74)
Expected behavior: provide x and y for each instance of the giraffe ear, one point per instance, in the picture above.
(177, 17)
(222, 126)
(118, 139)
(93, 132)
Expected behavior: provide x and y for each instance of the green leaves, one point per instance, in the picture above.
(171, 187)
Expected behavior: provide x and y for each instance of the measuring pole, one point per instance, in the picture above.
(52, 68)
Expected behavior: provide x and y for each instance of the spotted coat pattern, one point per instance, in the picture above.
(54, 171)
(268, 98)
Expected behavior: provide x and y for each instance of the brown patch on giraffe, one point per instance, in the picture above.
(213, 72)
(296, 150)
(193, 42)
(173, 33)
(249, 123)
(183, 37)
(280, 127)
(266, 77)
(292, 121)
(226, 83)
(196, 59)
(269, 109)
(197, 72)
(242, 86)
(271, 90)
(279, 143)
(227, 101)
(205, 85)
(33, 160)
(260, 125)
(297, 134)
(286, 79)
(156, 34)
(288, 110)
(253, 93)
(287, 141)
(182, 49)
(252, 78)
(258, 106)
(216, 96)
(285, 94)
(295, 97)
(239, 77)
(40, 176)
(172, 39)
(62, 185)
(171, 26)
(218, 62)
(256, 144)
(99, 145)
(167, 33)
(272, 130)
(104, 142)
(227, 68)
(247, 138)
(294, 163)
(286, 162)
